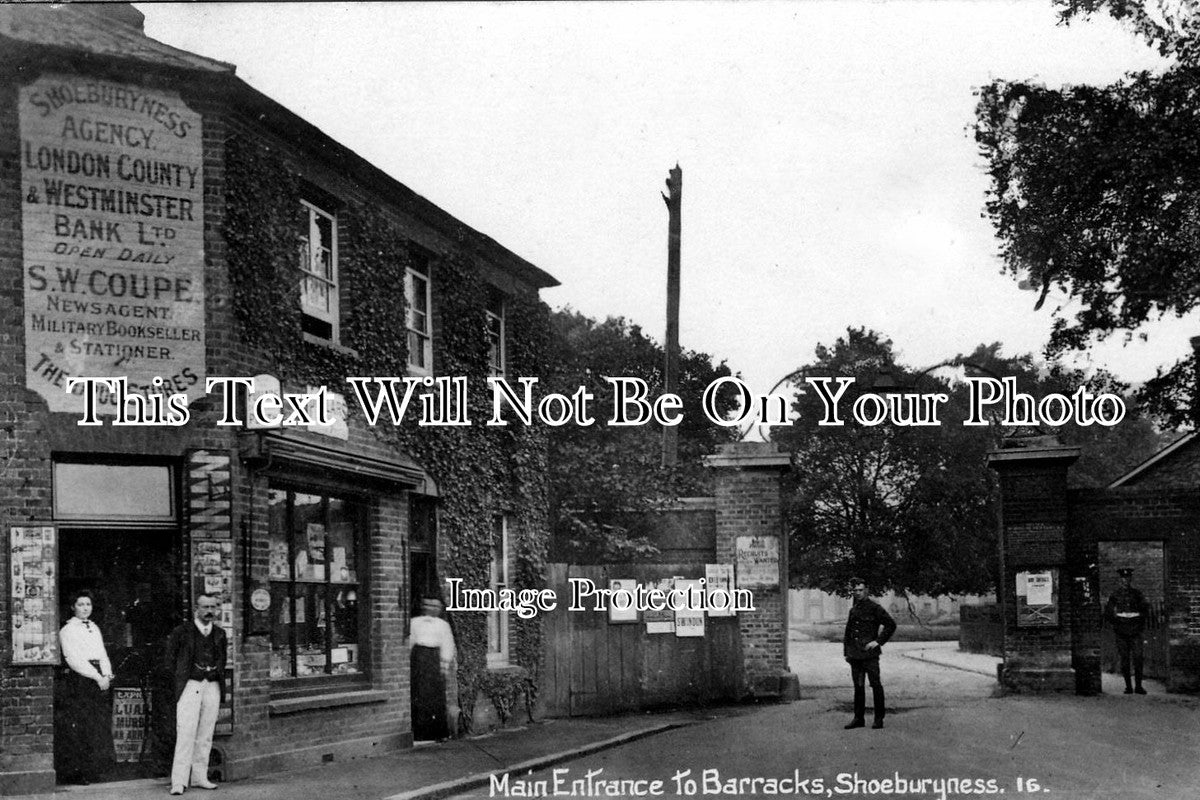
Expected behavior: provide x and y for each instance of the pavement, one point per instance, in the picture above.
(429, 770)
(924, 679)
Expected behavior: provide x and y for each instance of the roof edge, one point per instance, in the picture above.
(1153, 460)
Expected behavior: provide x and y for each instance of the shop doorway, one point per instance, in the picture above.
(134, 578)
(422, 575)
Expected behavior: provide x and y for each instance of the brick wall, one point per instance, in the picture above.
(1148, 515)
(1150, 527)
(748, 503)
(264, 737)
(1033, 486)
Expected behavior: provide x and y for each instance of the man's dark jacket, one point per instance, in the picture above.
(1126, 599)
(181, 655)
(867, 622)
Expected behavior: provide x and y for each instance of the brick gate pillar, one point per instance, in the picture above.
(1035, 598)
(751, 536)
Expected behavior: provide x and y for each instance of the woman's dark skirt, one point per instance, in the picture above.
(83, 746)
(428, 694)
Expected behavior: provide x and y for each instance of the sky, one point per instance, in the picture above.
(830, 175)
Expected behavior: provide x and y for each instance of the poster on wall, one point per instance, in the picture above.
(623, 591)
(212, 574)
(718, 585)
(689, 621)
(661, 621)
(112, 190)
(34, 594)
(1037, 598)
(128, 724)
(757, 561)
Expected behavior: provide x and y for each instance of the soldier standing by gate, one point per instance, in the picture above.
(1127, 610)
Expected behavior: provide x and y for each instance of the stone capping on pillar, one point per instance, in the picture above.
(749, 455)
(1041, 452)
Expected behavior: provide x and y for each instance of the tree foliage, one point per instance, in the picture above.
(603, 477)
(1095, 193)
(912, 509)
(1172, 27)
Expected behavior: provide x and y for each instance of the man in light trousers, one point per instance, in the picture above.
(197, 652)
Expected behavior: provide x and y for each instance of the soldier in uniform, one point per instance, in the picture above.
(1126, 611)
(867, 629)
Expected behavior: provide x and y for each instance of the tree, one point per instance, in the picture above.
(604, 478)
(1172, 27)
(905, 508)
(1095, 193)
(912, 509)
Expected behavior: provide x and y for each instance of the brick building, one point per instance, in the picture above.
(1061, 550)
(165, 223)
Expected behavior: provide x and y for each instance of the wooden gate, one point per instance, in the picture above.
(597, 667)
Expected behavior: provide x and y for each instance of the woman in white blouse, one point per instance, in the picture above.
(85, 747)
(431, 647)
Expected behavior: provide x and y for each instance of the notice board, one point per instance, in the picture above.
(34, 594)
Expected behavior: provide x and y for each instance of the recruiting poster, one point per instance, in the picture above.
(757, 561)
(1036, 593)
(112, 216)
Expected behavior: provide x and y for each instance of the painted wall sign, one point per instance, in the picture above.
(757, 561)
(34, 595)
(112, 187)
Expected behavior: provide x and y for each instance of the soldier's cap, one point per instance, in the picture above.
(1125, 572)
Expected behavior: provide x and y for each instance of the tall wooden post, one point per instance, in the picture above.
(674, 201)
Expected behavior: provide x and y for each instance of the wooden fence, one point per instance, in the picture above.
(596, 667)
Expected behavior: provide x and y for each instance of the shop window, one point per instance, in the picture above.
(497, 654)
(495, 333)
(417, 315)
(316, 585)
(318, 268)
(113, 491)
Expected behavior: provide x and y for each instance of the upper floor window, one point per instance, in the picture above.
(495, 333)
(417, 317)
(318, 265)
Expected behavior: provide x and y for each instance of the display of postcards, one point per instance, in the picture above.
(316, 541)
(278, 560)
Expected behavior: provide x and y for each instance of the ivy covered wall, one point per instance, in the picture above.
(480, 471)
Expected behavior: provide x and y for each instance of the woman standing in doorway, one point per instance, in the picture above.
(85, 744)
(432, 656)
